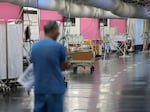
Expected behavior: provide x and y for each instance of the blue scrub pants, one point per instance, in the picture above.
(48, 103)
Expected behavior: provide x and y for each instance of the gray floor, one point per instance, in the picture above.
(117, 85)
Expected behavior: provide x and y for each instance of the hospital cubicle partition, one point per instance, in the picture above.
(11, 53)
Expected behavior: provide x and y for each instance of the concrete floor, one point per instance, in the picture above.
(117, 85)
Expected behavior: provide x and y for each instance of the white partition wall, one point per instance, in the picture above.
(15, 54)
(33, 21)
(138, 32)
(74, 30)
(3, 62)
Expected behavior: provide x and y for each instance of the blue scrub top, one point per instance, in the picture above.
(47, 56)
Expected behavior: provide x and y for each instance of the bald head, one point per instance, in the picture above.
(51, 30)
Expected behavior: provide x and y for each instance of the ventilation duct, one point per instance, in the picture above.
(79, 10)
(119, 8)
(65, 8)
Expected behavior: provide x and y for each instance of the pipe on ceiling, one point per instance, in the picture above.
(75, 10)
(120, 8)
(79, 10)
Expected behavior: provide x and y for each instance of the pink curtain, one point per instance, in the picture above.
(48, 15)
(120, 24)
(9, 11)
(89, 28)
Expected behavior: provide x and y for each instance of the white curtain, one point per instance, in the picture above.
(131, 28)
(3, 72)
(146, 26)
(15, 50)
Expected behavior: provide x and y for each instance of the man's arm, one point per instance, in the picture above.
(64, 61)
(65, 65)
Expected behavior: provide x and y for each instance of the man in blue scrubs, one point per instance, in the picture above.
(49, 59)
